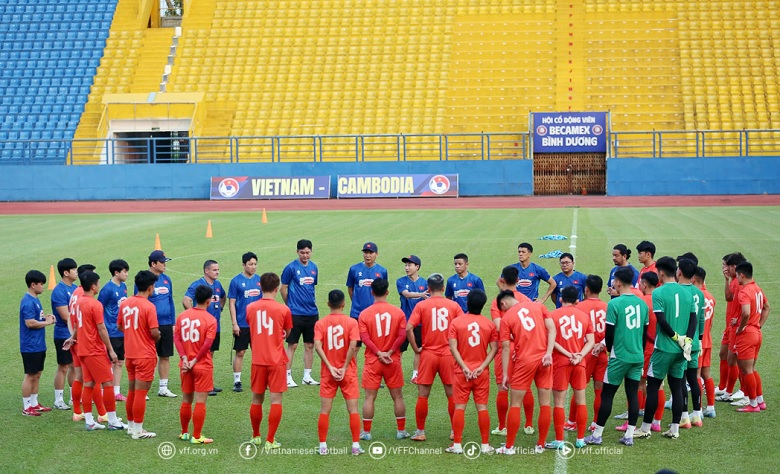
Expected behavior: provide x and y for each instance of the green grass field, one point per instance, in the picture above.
(53, 442)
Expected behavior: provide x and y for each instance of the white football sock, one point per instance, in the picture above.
(236, 377)
(58, 396)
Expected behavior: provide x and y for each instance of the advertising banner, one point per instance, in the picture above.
(397, 185)
(570, 132)
(250, 187)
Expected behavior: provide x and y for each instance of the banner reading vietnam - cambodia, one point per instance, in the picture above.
(398, 185)
(570, 132)
(249, 187)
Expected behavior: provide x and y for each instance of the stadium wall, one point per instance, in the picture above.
(625, 177)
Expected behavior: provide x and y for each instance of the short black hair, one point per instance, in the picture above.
(461, 256)
(304, 244)
(687, 267)
(625, 275)
(564, 255)
(734, 258)
(436, 282)
(651, 278)
(475, 301)
(527, 246)
(570, 294)
(209, 263)
(335, 299)
(503, 295)
(667, 266)
(34, 276)
(65, 265)
(746, 269)
(594, 283)
(247, 257)
(623, 250)
(87, 279)
(87, 267)
(510, 274)
(116, 266)
(144, 279)
(646, 246)
(379, 287)
(269, 282)
(701, 274)
(689, 256)
(203, 293)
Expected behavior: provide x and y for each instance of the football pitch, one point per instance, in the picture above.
(732, 442)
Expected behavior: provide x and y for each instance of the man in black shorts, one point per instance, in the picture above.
(162, 299)
(32, 341)
(298, 281)
(60, 297)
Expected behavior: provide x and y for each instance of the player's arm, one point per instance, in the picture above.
(413, 294)
(48, 320)
(204, 349)
(727, 287)
(233, 317)
(401, 337)
(505, 352)
(350, 354)
(764, 314)
(458, 359)
(490, 355)
(351, 292)
(186, 302)
(609, 336)
(590, 341)
(411, 339)
(63, 312)
(283, 289)
(179, 345)
(103, 333)
(155, 333)
(745, 318)
(661, 322)
(693, 323)
(559, 348)
(550, 289)
(551, 333)
(222, 301)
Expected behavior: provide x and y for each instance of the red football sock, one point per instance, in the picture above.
(129, 405)
(759, 384)
(748, 382)
(354, 426)
(733, 377)
(544, 424)
(421, 412)
(512, 426)
(97, 398)
(659, 410)
(596, 403)
(582, 420)
(322, 427)
(502, 407)
(450, 408)
(109, 399)
(559, 416)
(483, 417)
(185, 413)
(400, 423)
(274, 418)
(367, 425)
(723, 382)
(528, 408)
(458, 422)
(255, 417)
(198, 418)
(709, 386)
(572, 410)
(75, 393)
(86, 399)
(642, 398)
(139, 405)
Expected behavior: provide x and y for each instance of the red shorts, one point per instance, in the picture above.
(566, 373)
(96, 369)
(270, 377)
(373, 373)
(348, 385)
(198, 379)
(705, 358)
(649, 348)
(747, 345)
(432, 364)
(75, 354)
(524, 372)
(733, 339)
(724, 340)
(596, 367)
(462, 388)
(141, 369)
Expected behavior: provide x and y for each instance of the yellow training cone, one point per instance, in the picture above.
(52, 278)
(208, 231)
(157, 245)
(265, 217)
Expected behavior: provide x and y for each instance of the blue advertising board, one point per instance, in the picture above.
(248, 187)
(570, 132)
(397, 185)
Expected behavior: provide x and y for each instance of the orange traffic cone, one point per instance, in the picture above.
(157, 245)
(265, 217)
(208, 231)
(52, 278)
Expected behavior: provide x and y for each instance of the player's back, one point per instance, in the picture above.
(524, 325)
(496, 313)
(382, 322)
(628, 315)
(435, 315)
(597, 310)
(709, 311)
(269, 322)
(752, 295)
(137, 316)
(337, 331)
(193, 327)
(572, 326)
(676, 303)
(473, 333)
(89, 313)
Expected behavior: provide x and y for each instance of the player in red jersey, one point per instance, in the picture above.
(434, 315)
(77, 388)
(706, 383)
(755, 311)
(335, 340)
(528, 336)
(269, 324)
(508, 281)
(92, 341)
(473, 342)
(382, 328)
(646, 256)
(729, 372)
(573, 341)
(137, 319)
(193, 334)
(596, 359)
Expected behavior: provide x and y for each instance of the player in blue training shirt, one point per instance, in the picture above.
(530, 274)
(462, 282)
(412, 289)
(162, 299)
(32, 341)
(298, 281)
(359, 280)
(217, 303)
(113, 293)
(60, 297)
(620, 256)
(568, 277)
(244, 289)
